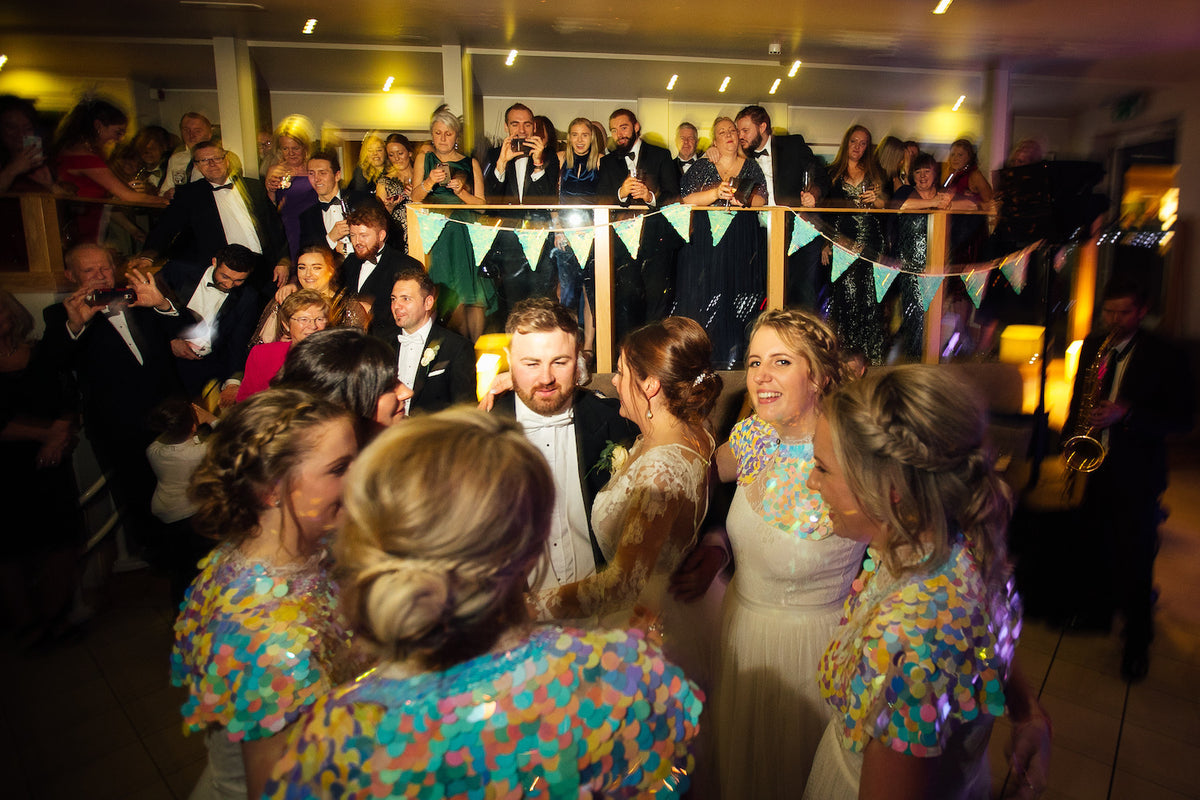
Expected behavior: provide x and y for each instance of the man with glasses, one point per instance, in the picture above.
(219, 210)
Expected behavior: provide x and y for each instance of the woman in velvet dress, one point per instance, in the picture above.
(579, 173)
(724, 286)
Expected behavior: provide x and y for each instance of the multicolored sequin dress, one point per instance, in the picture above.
(559, 714)
(781, 609)
(255, 644)
(919, 663)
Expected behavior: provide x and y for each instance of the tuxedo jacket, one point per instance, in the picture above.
(312, 223)
(543, 191)
(378, 288)
(190, 227)
(234, 325)
(118, 392)
(792, 160)
(448, 378)
(679, 164)
(1157, 387)
(598, 422)
(662, 176)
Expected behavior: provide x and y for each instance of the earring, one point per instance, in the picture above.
(649, 414)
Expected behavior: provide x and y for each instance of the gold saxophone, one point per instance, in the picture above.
(1083, 451)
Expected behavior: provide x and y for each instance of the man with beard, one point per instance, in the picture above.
(370, 272)
(796, 178)
(570, 426)
(639, 174)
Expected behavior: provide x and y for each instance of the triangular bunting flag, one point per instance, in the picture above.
(580, 240)
(532, 242)
(680, 217)
(718, 223)
(430, 225)
(842, 259)
(482, 237)
(630, 231)
(764, 219)
(884, 276)
(976, 282)
(927, 287)
(802, 234)
(1014, 269)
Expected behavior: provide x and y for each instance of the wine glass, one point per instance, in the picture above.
(285, 180)
(733, 182)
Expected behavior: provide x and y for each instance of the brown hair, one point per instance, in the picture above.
(677, 352)
(419, 276)
(371, 214)
(541, 315)
(813, 340)
(868, 163)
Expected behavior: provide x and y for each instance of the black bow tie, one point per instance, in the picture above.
(222, 186)
(691, 160)
(325, 206)
(760, 153)
(372, 259)
(220, 289)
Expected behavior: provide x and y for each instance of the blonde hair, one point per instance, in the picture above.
(299, 128)
(370, 171)
(446, 515)
(812, 339)
(298, 301)
(594, 149)
(910, 442)
(890, 157)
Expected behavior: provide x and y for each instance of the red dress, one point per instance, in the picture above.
(87, 216)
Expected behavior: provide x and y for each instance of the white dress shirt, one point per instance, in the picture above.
(236, 218)
(116, 317)
(764, 161)
(521, 166)
(568, 555)
(367, 268)
(178, 162)
(206, 302)
(412, 347)
(631, 163)
(332, 216)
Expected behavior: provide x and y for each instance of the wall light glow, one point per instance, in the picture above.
(387, 85)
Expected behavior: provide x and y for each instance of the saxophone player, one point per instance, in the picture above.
(1144, 394)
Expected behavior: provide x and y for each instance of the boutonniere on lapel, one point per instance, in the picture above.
(612, 458)
(430, 354)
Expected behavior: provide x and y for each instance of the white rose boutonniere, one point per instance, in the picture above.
(430, 354)
(612, 458)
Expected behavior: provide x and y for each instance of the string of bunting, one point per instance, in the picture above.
(1014, 266)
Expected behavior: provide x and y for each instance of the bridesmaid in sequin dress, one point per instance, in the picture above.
(446, 516)
(260, 634)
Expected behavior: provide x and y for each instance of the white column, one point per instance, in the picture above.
(997, 119)
(236, 100)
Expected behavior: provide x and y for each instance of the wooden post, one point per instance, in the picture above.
(605, 283)
(43, 237)
(415, 248)
(776, 257)
(938, 253)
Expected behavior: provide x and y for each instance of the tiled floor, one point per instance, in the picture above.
(97, 719)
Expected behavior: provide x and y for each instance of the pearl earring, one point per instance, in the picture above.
(649, 414)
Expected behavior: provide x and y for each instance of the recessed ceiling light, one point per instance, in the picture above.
(795, 68)
(942, 6)
(961, 97)
(671, 83)
(310, 26)
(387, 85)
(724, 84)
(3, 61)
(775, 85)
(512, 56)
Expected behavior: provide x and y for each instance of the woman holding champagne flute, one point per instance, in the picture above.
(722, 285)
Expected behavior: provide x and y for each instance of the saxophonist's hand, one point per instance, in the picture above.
(1108, 412)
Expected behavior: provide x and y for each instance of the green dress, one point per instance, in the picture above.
(451, 261)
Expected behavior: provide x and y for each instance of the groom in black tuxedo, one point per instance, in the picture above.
(370, 272)
(641, 175)
(570, 426)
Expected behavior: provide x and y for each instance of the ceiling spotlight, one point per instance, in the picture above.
(512, 56)
(961, 97)
(942, 6)
(775, 85)
(387, 85)
(795, 68)
(724, 84)
(3, 61)
(310, 26)
(671, 83)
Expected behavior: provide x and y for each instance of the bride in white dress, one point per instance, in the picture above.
(791, 574)
(647, 517)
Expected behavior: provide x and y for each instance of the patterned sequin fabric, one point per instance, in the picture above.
(255, 644)
(918, 657)
(562, 712)
(782, 493)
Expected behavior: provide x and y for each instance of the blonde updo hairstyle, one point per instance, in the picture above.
(258, 442)
(813, 340)
(445, 517)
(910, 442)
(677, 352)
(298, 128)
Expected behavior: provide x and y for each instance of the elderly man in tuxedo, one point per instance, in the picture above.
(640, 175)
(568, 425)
(221, 209)
(686, 139)
(437, 364)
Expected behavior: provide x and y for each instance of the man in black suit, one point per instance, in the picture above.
(370, 271)
(523, 170)
(219, 210)
(639, 174)
(686, 139)
(436, 364)
(325, 223)
(221, 313)
(796, 178)
(570, 426)
(1143, 393)
(119, 354)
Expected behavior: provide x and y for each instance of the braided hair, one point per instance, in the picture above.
(811, 338)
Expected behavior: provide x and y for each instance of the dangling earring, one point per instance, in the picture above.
(649, 414)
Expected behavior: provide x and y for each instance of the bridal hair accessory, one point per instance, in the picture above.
(702, 377)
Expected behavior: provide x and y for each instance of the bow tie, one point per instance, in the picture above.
(410, 338)
(325, 206)
(691, 160)
(760, 153)
(222, 186)
(372, 259)
(563, 420)
(220, 289)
